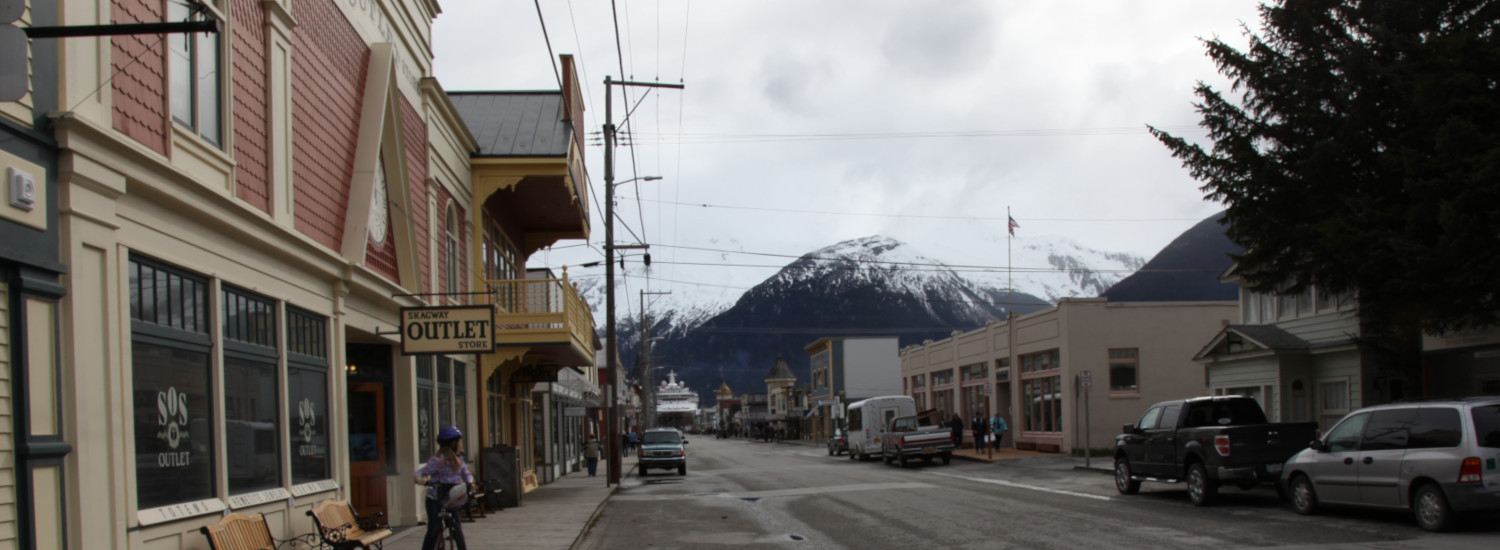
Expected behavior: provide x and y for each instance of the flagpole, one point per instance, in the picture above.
(1010, 284)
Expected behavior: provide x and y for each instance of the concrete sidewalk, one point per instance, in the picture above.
(551, 517)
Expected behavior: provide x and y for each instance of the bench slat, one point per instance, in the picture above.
(338, 526)
(240, 532)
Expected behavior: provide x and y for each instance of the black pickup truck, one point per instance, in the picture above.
(1208, 442)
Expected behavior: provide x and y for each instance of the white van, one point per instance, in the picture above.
(869, 417)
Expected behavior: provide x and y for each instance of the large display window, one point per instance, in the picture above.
(171, 385)
(252, 430)
(307, 395)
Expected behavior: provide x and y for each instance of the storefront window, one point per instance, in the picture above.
(444, 391)
(943, 400)
(251, 424)
(425, 412)
(1041, 387)
(170, 345)
(460, 398)
(307, 395)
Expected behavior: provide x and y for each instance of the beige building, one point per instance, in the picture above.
(1031, 368)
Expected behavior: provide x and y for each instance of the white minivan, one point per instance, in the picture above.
(868, 417)
(1437, 458)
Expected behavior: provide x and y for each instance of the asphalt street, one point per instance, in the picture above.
(766, 495)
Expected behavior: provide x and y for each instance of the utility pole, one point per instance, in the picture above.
(648, 405)
(612, 361)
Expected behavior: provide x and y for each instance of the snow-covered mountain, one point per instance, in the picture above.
(1041, 267)
(717, 332)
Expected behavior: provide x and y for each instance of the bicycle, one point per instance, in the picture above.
(452, 498)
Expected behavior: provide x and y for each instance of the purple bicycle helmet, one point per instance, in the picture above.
(449, 433)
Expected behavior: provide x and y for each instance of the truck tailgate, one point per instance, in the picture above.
(1266, 443)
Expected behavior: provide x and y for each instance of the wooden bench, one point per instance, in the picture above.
(240, 532)
(340, 528)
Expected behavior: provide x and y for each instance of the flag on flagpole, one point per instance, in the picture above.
(1013, 226)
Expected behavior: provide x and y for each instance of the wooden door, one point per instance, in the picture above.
(367, 448)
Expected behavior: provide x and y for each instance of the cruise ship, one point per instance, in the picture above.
(676, 404)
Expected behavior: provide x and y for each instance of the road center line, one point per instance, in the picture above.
(1023, 486)
(782, 492)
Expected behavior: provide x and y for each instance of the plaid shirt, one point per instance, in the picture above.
(437, 468)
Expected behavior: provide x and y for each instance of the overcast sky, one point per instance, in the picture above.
(808, 122)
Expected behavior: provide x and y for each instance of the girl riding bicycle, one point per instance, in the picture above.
(444, 470)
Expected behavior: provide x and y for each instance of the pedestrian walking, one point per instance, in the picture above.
(631, 440)
(957, 425)
(591, 454)
(980, 427)
(998, 426)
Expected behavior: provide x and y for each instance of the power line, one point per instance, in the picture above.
(912, 216)
(720, 138)
(545, 38)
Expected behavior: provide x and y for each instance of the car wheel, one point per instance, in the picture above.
(1123, 483)
(947, 457)
(1201, 489)
(830, 451)
(903, 460)
(1304, 497)
(682, 470)
(886, 457)
(1431, 508)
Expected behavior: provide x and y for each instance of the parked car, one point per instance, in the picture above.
(838, 443)
(1435, 458)
(662, 448)
(1207, 442)
(908, 437)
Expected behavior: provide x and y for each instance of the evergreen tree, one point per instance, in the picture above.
(1363, 155)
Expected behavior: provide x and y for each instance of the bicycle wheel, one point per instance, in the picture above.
(455, 533)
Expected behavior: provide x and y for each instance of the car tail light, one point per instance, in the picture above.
(1221, 444)
(1469, 472)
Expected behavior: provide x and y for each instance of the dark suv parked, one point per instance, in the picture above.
(1436, 458)
(662, 448)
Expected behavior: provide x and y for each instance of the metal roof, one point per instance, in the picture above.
(780, 370)
(515, 124)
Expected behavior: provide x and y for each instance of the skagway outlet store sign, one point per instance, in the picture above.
(451, 329)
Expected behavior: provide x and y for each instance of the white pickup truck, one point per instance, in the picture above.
(907, 437)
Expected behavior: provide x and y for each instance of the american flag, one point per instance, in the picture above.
(1013, 226)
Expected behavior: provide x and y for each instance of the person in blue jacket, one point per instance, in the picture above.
(998, 427)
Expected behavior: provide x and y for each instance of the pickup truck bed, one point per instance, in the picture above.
(906, 439)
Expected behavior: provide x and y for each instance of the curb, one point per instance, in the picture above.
(588, 525)
(1093, 469)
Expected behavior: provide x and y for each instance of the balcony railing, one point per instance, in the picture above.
(541, 312)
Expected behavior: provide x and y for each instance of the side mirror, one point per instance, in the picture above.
(1317, 445)
(1129, 429)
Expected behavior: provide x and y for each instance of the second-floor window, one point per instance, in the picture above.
(450, 248)
(193, 65)
(502, 260)
(942, 378)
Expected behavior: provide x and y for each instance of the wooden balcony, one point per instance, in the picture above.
(546, 315)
